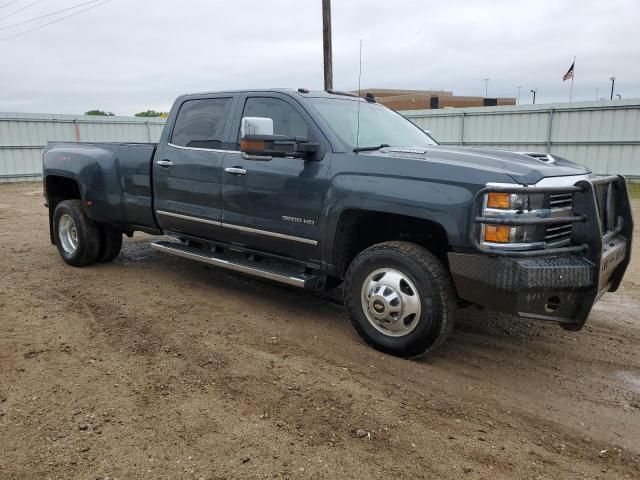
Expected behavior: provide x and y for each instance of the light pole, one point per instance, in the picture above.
(518, 101)
(486, 86)
(613, 82)
(619, 96)
(597, 90)
(534, 90)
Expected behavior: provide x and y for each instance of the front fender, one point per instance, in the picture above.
(446, 204)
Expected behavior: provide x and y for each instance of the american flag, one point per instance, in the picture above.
(569, 73)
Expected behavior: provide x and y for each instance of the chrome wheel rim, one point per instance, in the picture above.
(391, 302)
(68, 234)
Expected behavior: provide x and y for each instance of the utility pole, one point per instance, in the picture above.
(326, 44)
(518, 102)
(534, 95)
(613, 82)
(486, 86)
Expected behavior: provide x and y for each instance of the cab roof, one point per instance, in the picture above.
(300, 92)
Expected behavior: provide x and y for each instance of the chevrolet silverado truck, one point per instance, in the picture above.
(325, 189)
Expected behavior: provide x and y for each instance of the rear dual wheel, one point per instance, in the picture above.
(110, 244)
(400, 298)
(81, 241)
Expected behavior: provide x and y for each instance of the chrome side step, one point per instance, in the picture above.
(301, 280)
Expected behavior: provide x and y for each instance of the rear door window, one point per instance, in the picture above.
(200, 123)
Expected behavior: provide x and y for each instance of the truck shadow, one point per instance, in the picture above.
(475, 328)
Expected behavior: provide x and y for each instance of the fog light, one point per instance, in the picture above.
(497, 233)
(553, 304)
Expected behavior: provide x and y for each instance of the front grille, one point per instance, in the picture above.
(559, 232)
(560, 200)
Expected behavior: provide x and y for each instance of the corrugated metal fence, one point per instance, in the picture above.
(604, 136)
(23, 137)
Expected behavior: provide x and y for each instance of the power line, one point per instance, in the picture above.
(8, 3)
(54, 21)
(21, 9)
(48, 15)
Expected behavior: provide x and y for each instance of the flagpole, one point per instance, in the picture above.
(572, 77)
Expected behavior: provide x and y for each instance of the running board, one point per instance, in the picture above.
(301, 280)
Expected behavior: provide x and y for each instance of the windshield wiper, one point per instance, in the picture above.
(372, 148)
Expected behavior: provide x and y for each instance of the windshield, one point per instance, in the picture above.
(378, 124)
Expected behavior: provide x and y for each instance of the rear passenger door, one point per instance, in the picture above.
(187, 167)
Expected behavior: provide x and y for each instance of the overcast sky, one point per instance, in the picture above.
(131, 55)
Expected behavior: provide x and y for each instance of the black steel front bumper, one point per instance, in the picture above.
(557, 284)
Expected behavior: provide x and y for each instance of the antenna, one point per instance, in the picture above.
(359, 99)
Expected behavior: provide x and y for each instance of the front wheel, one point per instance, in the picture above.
(400, 298)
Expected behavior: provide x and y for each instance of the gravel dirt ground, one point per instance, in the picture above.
(157, 367)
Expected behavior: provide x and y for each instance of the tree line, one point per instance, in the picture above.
(146, 113)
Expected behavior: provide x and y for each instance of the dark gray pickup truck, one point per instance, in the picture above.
(319, 189)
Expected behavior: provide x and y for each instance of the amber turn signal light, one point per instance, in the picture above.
(499, 200)
(497, 233)
(250, 145)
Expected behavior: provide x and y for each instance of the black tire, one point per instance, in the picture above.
(431, 280)
(86, 232)
(110, 244)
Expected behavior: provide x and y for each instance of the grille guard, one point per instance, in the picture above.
(587, 239)
(584, 195)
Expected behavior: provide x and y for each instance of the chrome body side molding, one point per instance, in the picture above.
(270, 234)
(188, 217)
(239, 227)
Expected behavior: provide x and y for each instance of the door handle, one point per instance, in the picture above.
(164, 163)
(235, 170)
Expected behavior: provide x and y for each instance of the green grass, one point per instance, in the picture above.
(634, 189)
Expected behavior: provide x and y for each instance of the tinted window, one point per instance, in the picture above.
(286, 120)
(200, 123)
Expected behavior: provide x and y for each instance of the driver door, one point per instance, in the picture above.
(275, 205)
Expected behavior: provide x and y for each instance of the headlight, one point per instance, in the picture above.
(514, 201)
(497, 233)
(522, 234)
(506, 201)
(525, 217)
(513, 205)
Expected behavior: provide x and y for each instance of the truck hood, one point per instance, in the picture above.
(524, 168)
